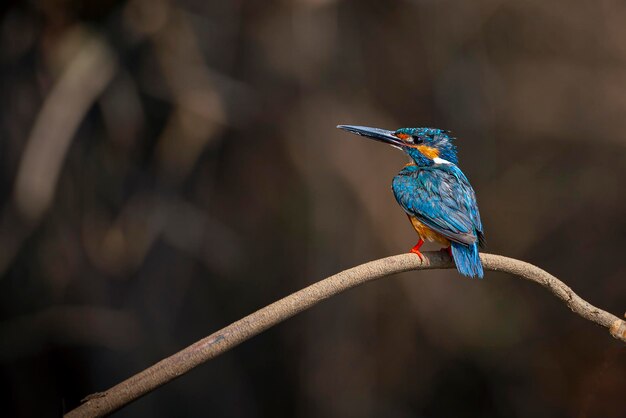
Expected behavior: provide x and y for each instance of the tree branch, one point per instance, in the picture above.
(223, 340)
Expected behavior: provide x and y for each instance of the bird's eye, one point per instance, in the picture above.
(416, 139)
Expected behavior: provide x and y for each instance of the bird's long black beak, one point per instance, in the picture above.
(378, 134)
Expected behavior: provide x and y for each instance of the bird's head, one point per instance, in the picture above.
(425, 146)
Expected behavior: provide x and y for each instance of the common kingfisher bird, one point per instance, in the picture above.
(434, 193)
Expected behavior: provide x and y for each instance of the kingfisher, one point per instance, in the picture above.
(434, 193)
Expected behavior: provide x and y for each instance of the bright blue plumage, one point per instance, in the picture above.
(467, 259)
(440, 196)
(435, 193)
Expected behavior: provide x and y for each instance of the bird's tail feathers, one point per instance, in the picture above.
(467, 259)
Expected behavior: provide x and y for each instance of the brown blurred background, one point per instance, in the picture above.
(168, 167)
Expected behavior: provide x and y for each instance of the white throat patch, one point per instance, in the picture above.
(438, 160)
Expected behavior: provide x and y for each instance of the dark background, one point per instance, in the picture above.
(169, 167)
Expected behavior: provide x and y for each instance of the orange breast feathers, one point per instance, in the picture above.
(428, 234)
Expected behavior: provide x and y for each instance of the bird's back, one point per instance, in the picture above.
(440, 197)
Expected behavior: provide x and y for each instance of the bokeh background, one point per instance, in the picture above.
(167, 167)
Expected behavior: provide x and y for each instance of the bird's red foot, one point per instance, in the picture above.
(447, 250)
(416, 249)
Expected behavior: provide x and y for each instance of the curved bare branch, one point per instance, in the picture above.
(168, 369)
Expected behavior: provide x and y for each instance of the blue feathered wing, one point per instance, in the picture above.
(441, 198)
